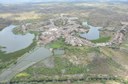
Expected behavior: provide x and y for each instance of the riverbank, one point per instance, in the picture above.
(8, 59)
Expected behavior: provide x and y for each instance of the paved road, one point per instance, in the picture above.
(25, 62)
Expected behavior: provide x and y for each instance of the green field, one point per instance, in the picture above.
(101, 40)
(63, 66)
(57, 44)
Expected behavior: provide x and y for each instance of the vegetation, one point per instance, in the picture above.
(60, 64)
(80, 50)
(62, 67)
(17, 30)
(60, 22)
(60, 43)
(22, 75)
(9, 58)
(62, 72)
(101, 40)
(57, 44)
(75, 82)
(97, 61)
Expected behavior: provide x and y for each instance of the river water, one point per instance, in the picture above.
(93, 33)
(11, 42)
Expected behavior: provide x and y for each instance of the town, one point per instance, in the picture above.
(69, 42)
(69, 28)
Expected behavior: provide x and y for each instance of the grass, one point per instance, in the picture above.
(60, 65)
(60, 43)
(80, 50)
(22, 75)
(101, 40)
(75, 82)
(39, 74)
(57, 44)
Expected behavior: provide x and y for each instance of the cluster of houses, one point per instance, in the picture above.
(118, 38)
(70, 32)
(120, 35)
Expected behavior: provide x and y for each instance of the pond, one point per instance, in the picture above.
(59, 51)
(93, 32)
(11, 42)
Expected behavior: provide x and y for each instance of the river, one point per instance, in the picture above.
(11, 42)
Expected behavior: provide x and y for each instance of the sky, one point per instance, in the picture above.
(25, 1)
